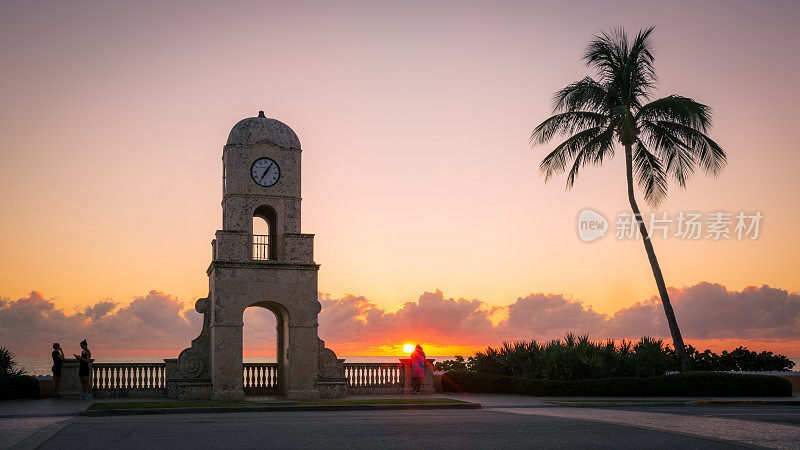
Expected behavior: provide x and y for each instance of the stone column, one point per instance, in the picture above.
(69, 385)
(280, 353)
(226, 362)
(427, 380)
(406, 362)
(303, 358)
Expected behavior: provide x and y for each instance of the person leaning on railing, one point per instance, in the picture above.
(417, 368)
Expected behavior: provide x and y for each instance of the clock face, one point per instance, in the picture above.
(265, 172)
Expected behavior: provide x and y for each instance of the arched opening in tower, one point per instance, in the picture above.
(263, 232)
(261, 351)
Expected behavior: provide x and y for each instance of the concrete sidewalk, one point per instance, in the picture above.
(42, 408)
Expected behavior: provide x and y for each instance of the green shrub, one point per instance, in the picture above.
(574, 358)
(743, 359)
(738, 360)
(577, 358)
(8, 363)
(18, 386)
(457, 363)
(13, 382)
(687, 384)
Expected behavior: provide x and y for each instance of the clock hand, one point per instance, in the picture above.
(265, 172)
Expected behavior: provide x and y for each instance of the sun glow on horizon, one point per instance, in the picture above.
(408, 348)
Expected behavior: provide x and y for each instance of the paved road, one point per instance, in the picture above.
(365, 429)
(749, 432)
(767, 413)
(505, 421)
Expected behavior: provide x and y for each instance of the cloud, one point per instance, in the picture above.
(354, 324)
(353, 318)
(543, 316)
(705, 311)
(158, 324)
(259, 332)
(154, 322)
(99, 310)
(708, 310)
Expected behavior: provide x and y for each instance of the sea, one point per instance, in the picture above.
(41, 365)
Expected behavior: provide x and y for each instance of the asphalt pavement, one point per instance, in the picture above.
(506, 421)
(766, 413)
(373, 430)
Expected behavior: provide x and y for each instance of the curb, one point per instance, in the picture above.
(277, 408)
(748, 402)
(35, 415)
(620, 404)
(580, 404)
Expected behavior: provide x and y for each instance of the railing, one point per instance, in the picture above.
(261, 247)
(374, 375)
(264, 376)
(126, 379)
(128, 376)
(260, 376)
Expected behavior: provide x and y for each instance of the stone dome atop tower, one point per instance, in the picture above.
(261, 129)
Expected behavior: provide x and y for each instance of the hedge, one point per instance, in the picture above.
(18, 386)
(686, 384)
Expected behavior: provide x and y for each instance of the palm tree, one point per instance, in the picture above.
(662, 138)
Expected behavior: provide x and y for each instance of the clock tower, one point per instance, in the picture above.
(275, 270)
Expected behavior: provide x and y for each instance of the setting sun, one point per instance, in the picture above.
(408, 348)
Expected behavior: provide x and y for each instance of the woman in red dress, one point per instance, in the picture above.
(417, 368)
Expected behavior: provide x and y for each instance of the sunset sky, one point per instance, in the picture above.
(432, 222)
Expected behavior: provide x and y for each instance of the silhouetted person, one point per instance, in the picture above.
(417, 368)
(58, 358)
(83, 370)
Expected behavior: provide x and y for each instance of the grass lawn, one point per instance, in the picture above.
(218, 404)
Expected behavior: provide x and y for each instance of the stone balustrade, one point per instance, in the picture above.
(128, 379)
(112, 380)
(260, 378)
(374, 378)
(127, 375)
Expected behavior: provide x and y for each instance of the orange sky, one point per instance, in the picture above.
(414, 119)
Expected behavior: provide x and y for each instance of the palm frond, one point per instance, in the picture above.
(708, 153)
(556, 160)
(675, 108)
(680, 159)
(649, 174)
(626, 68)
(605, 53)
(566, 123)
(603, 146)
(586, 94)
(592, 152)
(639, 70)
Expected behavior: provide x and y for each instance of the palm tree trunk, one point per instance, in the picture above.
(677, 340)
